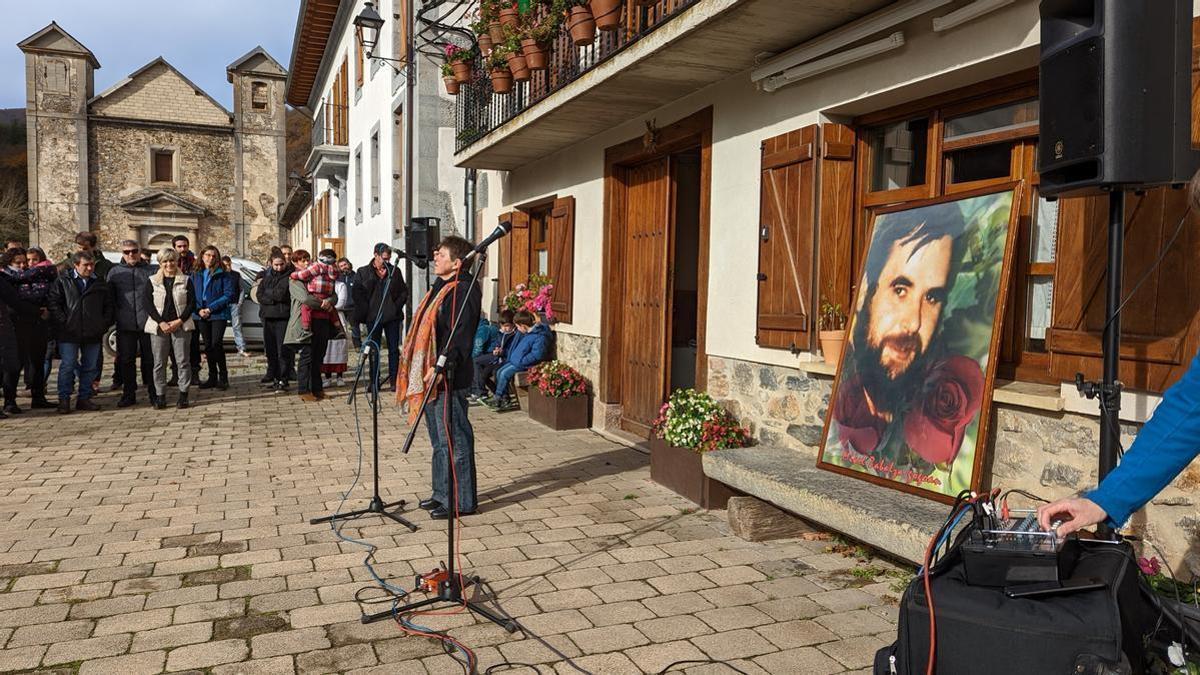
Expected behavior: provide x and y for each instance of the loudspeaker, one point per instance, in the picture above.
(1115, 80)
(421, 237)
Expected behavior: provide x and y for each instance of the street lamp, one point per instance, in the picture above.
(368, 23)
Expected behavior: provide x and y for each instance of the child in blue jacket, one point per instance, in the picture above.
(534, 346)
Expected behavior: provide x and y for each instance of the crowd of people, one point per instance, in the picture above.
(168, 312)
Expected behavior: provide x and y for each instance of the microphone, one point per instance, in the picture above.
(502, 229)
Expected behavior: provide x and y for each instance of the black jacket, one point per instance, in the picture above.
(274, 299)
(80, 318)
(458, 355)
(367, 295)
(11, 305)
(129, 284)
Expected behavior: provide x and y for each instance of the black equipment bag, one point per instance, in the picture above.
(981, 631)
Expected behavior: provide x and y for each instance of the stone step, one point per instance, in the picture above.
(892, 521)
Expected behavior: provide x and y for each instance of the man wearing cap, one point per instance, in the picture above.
(380, 295)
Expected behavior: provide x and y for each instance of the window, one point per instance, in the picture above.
(898, 154)
(358, 185)
(539, 225)
(258, 95)
(375, 205)
(54, 74)
(542, 241)
(162, 166)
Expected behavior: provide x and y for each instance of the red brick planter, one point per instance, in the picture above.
(559, 414)
(681, 471)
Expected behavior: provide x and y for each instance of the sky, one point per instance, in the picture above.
(199, 38)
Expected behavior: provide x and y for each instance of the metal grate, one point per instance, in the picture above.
(478, 111)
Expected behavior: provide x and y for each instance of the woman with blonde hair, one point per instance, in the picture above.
(170, 298)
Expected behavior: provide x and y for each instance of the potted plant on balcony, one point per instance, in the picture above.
(512, 50)
(489, 15)
(497, 64)
(832, 331)
(480, 28)
(537, 32)
(460, 61)
(691, 423)
(508, 14)
(558, 396)
(607, 13)
(448, 77)
(580, 22)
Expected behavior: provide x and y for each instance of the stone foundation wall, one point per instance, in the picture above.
(1051, 454)
(582, 352)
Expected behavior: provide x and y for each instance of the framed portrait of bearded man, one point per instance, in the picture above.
(911, 402)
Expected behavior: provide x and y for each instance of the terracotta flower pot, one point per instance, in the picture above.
(451, 85)
(502, 80)
(536, 56)
(462, 71)
(582, 26)
(519, 67)
(509, 16)
(496, 32)
(607, 13)
(832, 342)
(485, 43)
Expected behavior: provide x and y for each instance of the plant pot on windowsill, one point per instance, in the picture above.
(536, 56)
(559, 413)
(681, 470)
(832, 342)
(607, 13)
(582, 25)
(502, 80)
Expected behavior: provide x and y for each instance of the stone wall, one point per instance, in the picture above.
(161, 94)
(119, 154)
(582, 352)
(1051, 454)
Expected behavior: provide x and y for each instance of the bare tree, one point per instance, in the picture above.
(14, 209)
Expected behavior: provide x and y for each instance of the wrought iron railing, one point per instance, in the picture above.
(479, 111)
(331, 126)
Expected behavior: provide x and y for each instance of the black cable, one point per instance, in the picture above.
(722, 663)
(509, 664)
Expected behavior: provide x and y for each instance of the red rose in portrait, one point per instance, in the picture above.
(859, 429)
(952, 394)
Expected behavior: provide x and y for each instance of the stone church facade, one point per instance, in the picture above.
(153, 156)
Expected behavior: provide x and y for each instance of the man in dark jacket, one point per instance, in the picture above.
(128, 282)
(81, 308)
(380, 295)
(347, 275)
(274, 308)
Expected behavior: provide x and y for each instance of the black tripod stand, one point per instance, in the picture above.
(451, 586)
(377, 505)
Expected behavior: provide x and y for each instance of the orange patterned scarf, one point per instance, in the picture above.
(419, 354)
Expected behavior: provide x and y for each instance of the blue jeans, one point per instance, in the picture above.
(464, 449)
(504, 376)
(82, 358)
(235, 320)
(390, 331)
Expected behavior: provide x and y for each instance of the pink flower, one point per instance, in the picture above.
(953, 393)
(1149, 566)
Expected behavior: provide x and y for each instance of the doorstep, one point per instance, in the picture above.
(892, 521)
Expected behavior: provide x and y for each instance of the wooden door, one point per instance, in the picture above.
(645, 304)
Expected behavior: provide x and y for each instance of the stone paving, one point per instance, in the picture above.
(138, 541)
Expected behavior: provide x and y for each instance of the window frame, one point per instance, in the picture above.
(1015, 362)
(154, 152)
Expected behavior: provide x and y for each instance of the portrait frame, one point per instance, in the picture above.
(978, 452)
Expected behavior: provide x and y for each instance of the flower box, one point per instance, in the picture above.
(560, 414)
(681, 471)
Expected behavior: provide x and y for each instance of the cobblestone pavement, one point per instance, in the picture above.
(138, 541)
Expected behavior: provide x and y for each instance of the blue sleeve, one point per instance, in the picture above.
(1167, 443)
(226, 297)
(481, 338)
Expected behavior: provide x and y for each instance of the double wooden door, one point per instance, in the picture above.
(646, 298)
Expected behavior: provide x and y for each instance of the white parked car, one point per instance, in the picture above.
(248, 270)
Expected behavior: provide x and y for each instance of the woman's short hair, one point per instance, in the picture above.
(300, 254)
(168, 255)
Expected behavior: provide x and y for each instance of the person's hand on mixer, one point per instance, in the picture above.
(1070, 515)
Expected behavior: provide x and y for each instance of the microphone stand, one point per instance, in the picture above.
(377, 506)
(450, 589)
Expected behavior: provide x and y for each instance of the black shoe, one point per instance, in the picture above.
(442, 513)
(12, 409)
(64, 406)
(267, 379)
(223, 383)
(126, 402)
(86, 404)
(208, 384)
(41, 404)
(159, 402)
(429, 504)
(183, 401)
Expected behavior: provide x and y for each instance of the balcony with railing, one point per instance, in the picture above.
(661, 51)
(330, 154)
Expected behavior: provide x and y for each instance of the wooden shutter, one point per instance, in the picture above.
(1160, 323)
(562, 256)
(786, 239)
(835, 234)
(504, 282)
(519, 240)
(358, 62)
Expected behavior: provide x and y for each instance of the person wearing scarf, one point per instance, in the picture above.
(452, 295)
